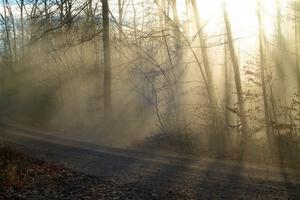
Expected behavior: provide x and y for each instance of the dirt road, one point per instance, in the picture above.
(159, 175)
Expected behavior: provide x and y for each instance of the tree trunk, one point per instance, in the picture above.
(227, 89)
(238, 83)
(22, 27)
(212, 95)
(176, 20)
(296, 45)
(120, 10)
(262, 74)
(107, 60)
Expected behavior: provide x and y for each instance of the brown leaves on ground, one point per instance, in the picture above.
(18, 171)
(23, 177)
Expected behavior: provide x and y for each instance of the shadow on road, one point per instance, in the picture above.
(155, 176)
(220, 185)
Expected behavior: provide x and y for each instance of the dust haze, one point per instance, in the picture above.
(181, 76)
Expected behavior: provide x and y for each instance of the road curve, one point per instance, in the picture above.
(158, 174)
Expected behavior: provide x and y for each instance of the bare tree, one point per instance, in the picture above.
(238, 82)
(217, 122)
(107, 59)
(296, 16)
(263, 66)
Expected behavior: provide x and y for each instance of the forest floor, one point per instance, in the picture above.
(60, 168)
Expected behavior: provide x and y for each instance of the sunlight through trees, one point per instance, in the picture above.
(221, 75)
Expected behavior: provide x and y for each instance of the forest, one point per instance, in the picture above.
(149, 99)
(218, 77)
